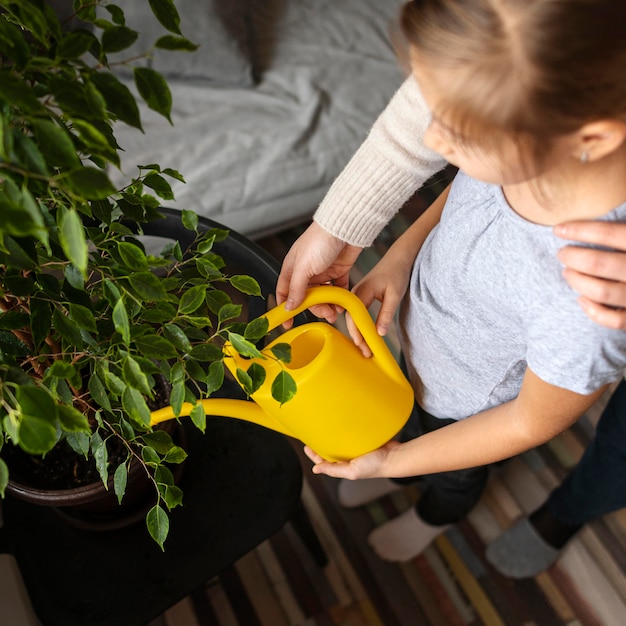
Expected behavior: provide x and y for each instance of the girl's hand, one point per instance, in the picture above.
(598, 275)
(369, 465)
(385, 283)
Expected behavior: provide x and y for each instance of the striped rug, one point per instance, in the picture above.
(279, 583)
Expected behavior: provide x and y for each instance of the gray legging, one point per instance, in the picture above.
(447, 497)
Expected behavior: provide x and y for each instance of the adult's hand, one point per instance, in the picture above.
(598, 275)
(316, 257)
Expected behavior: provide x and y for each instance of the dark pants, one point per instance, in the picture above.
(447, 497)
(597, 485)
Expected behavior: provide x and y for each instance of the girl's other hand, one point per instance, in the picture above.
(386, 284)
(598, 275)
(369, 465)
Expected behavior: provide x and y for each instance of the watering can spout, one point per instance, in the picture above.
(224, 407)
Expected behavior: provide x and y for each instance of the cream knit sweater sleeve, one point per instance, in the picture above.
(389, 166)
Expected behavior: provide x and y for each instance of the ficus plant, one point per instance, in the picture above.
(95, 329)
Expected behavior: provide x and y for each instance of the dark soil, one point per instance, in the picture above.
(61, 468)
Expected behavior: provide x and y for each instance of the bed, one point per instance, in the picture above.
(270, 108)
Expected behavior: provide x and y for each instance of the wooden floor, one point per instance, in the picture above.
(279, 584)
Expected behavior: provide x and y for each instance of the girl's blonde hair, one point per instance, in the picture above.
(536, 69)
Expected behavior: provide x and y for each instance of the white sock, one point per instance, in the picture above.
(404, 537)
(353, 493)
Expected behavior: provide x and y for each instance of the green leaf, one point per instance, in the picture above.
(13, 44)
(79, 442)
(21, 216)
(68, 331)
(111, 292)
(13, 320)
(101, 457)
(177, 336)
(192, 299)
(72, 420)
(157, 315)
(118, 38)
(256, 329)
(165, 11)
(40, 320)
(132, 256)
(284, 387)
(120, 478)
(36, 435)
(244, 347)
(134, 376)
(4, 477)
(72, 236)
(282, 351)
(114, 383)
(159, 440)
(62, 369)
(177, 396)
(33, 17)
(55, 144)
(172, 173)
(117, 14)
(150, 456)
(175, 455)
(98, 392)
(83, 317)
(89, 183)
(120, 321)
(257, 376)
(189, 219)
(18, 93)
(216, 299)
(215, 377)
(74, 277)
(172, 495)
(206, 352)
(155, 347)
(135, 406)
(229, 312)
(94, 138)
(246, 284)
(29, 155)
(170, 42)
(147, 286)
(158, 524)
(74, 44)
(153, 88)
(198, 417)
(119, 99)
(244, 378)
(159, 185)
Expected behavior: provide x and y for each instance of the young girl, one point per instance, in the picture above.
(528, 100)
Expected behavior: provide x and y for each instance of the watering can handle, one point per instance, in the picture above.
(327, 294)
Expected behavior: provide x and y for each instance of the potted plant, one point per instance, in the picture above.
(95, 331)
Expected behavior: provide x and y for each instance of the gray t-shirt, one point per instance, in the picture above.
(487, 299)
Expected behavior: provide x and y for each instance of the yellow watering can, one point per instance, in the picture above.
(345, 405)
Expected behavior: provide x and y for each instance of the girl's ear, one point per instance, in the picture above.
(598, 139)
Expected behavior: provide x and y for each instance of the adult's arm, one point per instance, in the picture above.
(390, 165)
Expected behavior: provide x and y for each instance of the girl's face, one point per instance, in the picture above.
(503, 161)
